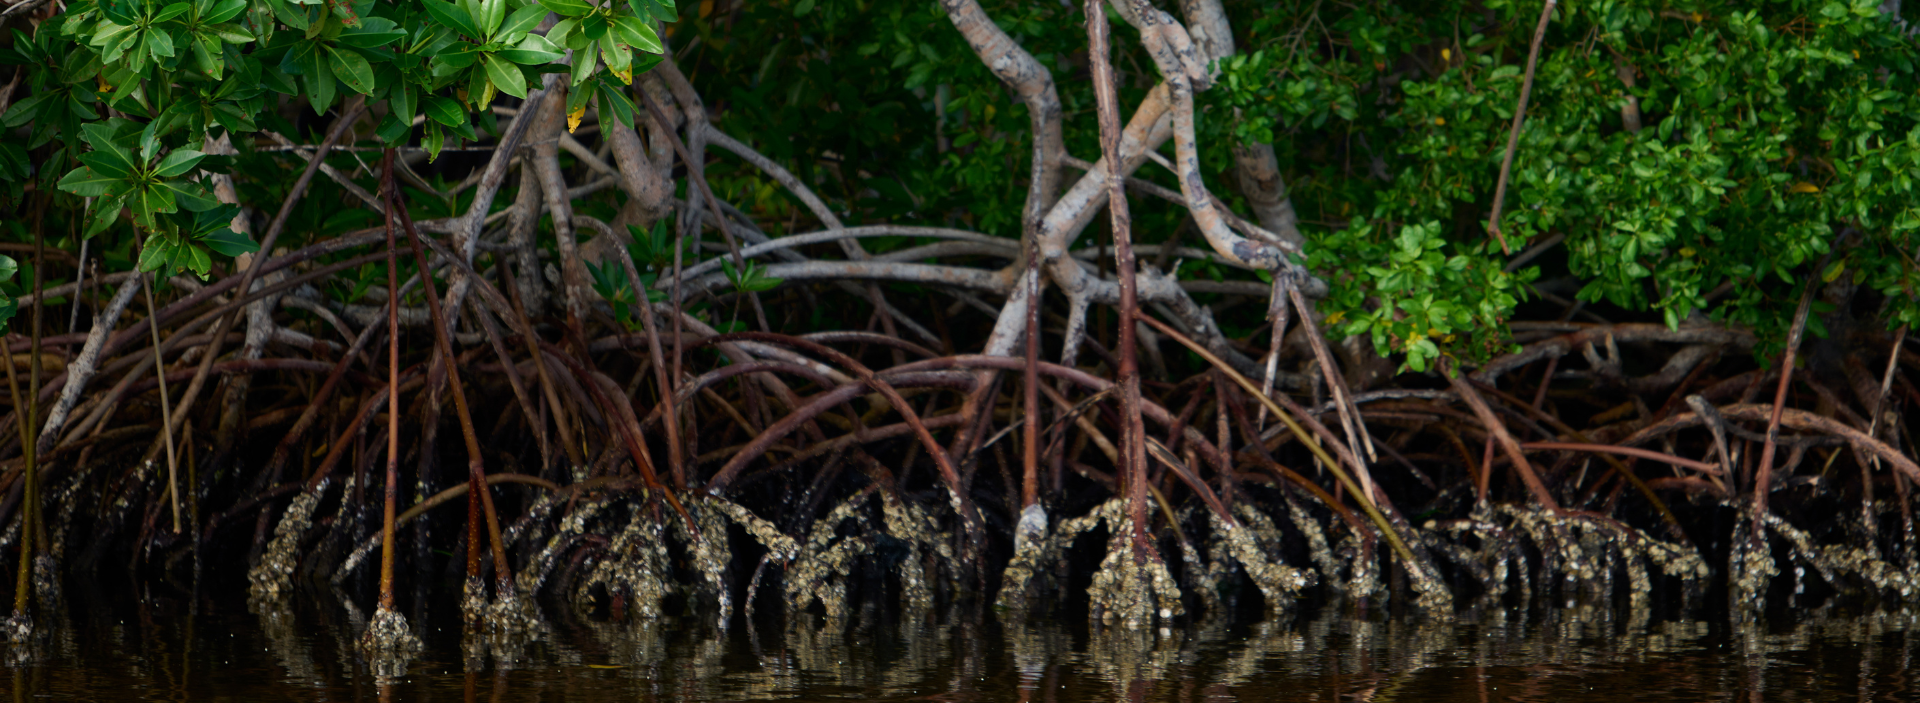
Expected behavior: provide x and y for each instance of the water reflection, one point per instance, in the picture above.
(164, 649)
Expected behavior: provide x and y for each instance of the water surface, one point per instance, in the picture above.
(161, 648)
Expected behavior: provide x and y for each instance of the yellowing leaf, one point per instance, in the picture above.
(573, 118)
(1440, 121)
(625, 73)
(1446, 55)
(1803, 187)
(1834, 271)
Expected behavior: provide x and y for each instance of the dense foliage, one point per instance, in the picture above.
(122, 92)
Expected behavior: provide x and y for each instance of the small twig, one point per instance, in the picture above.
(1513, 134)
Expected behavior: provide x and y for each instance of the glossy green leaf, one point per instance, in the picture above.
(90, 182)
(491, 14)
(446, 111)
(533, 51)
(178, 163)
(227, 242)
(159, 44)
(352, 69)
(506, 76)
(637, 33)
(521, 21)
(170, 11)
(224, 10)
(452, 17)
(567, 8)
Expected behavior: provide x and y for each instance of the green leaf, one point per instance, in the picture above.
(491, 13)
(155, 255)
(393, 129)
(159, 44)
(169, 12)
(505, 76)
(373, 32)
(227, 242)
(522, 20)
(88, 182)
(178, 163)
(105, 212)
(637, 34)
(446, 111)
(434, 142)
(567, 8)
(583, 65)
(533, 51)
(224, 10)
(108, 163)
(150, 201)
(352, 69)
(452, 17)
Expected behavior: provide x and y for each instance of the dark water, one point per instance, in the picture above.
(159, 648)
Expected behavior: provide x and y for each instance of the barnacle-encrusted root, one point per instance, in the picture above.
(710, 551)
(388, 633)
(820, 570)
(1750, 567)
(19, 627)
(1130, 589)
(633, 564)
(272, 578)
(1031, 548)
(1277, 581)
